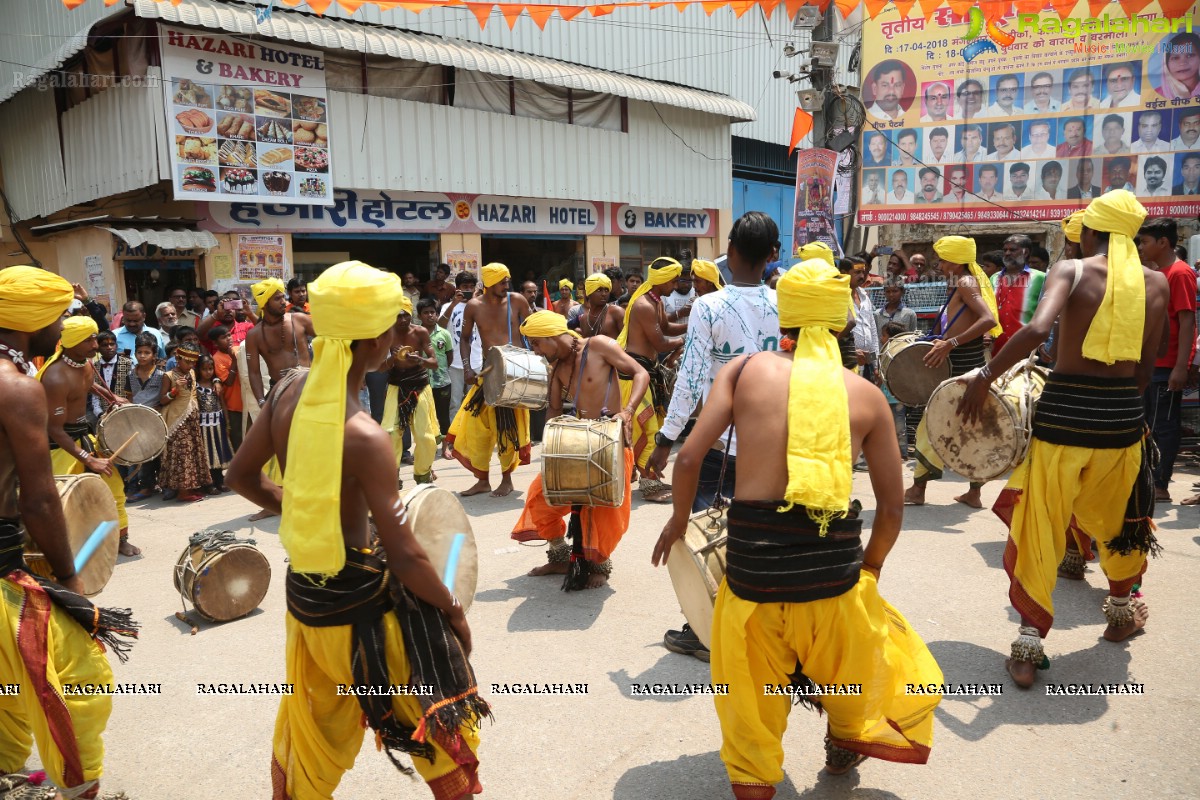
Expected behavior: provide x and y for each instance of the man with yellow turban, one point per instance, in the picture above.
(1072, 228)
(598, 316)
(479, 429)
(706, 277)
(409, 404)
(969, 313)
(366, 609)
(1088, 472)
(68, 377)
(565, 304)
(799, 615)
(50, 635)
(646, 335)
(584, 369)
(280, 337)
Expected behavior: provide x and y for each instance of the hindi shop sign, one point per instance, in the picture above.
(246, 119)
(1019, 117)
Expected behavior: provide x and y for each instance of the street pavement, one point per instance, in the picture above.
(945, 575)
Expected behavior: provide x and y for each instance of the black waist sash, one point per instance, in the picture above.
(410, 383)
(80, 433)
(775, 557)
(659, 395)
(360, 595)
(1086, 411)
(112, 626)
(966, 357)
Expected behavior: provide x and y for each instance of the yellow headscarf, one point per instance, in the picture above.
(817, 250)
(264, 290)
(1116, 331)
(493, 273)
(706, 270)
(566, 284)
(32, 298)
(597, 280)
(349, 301)
(1073, 226)
(74, 331)
(406, 305)
(669, 271)
(961, 250)
(815, 298)
(546, 325)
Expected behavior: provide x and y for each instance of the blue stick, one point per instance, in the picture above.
(93, 543)
(451, 570)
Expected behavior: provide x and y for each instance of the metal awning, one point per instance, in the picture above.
(336, 34)
(164, 238)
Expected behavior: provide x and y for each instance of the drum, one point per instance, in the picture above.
(223, 577)
(515, 378)
(697, 566)
(583, 462)
(437, 519)
(87, 504)
(902, 363)
(996, 443)
(121, 422)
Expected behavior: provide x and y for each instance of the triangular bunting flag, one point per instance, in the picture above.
(601, 11)
(793, 7)
(875, 6)
(904, 7)
(540, 15)
(710, 6)
(1175, 8)
(801, 124)
(482, 12)
(740, 7)
(511, 11)
(569, 13)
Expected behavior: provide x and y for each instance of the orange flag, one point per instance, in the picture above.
(481, 11)
(801, 124)
(540, 15)
(569, 13)
(511, 11)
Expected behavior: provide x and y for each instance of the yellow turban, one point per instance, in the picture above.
(815, 298)
(817, 250)
(75, 330)
(263, 291)
(597, 280)
(348, 302)
(32, 298)
(706, 270)
(545, 325)
(565, 284)
(406, 305)
(669, 271)
(1073, 226)
(1116, 331)
(493, 273)
(961, 250)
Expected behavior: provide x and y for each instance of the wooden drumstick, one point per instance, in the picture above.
(121, 449)
(486, 370)
(179, 615)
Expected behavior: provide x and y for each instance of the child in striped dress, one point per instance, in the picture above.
(212, 423)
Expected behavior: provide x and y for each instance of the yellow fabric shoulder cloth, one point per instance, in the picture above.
(1116, 331)
(669, 270)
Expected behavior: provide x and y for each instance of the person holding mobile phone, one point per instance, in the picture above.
(232, 314)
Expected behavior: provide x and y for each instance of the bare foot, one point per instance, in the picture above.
(1022, 672)
(1141, 613)
(970, 498)
(548, 569)
(480, 487)
(263, 514)
(446, 455)
(1161, 495)
(127, 549)
(596, 580)
(915, 495)
(1194, 500)
(505, 488)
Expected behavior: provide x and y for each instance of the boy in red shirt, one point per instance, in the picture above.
(225, 361)
(1164, 397)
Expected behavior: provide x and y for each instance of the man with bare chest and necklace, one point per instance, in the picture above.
(599, 317)
(478, 428)
(585, 370)
(409, 404)
(280, 337)
(645, 335)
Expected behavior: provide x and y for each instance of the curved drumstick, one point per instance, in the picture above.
(94, 541)
(451, 570)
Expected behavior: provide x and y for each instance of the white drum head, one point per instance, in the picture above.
(982, 450)
(907, 377)
(695, 580)
(436, 516)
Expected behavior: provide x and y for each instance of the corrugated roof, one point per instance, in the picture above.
(164, 238)
(338, 34)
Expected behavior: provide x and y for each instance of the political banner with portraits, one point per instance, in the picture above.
(815, 171)
(1028, 116)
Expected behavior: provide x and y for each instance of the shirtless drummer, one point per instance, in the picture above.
(478, 428)
(280, 337)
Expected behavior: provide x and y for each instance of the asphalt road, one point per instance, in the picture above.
(945, 575)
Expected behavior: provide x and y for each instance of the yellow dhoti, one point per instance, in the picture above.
(41, 649)
(425, 430)
(318, 733)
(646, 422)
(64, 463)
(474, 438)
(1053, 484)
(854, 640)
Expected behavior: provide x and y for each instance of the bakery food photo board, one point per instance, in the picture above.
(247, 122)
